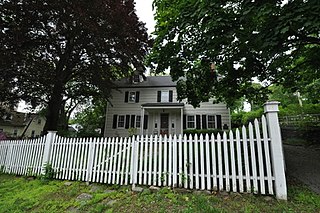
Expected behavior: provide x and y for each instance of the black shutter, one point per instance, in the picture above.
(145, 122)
(219, 123)
(126, 97)
(137, 96)
(127, 121)
(184, 121)
(132, 121)
(114, 124)
(159, 96)
(170, 95)
(198, 124)
(204, 121)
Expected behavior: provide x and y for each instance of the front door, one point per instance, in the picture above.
(164, 124)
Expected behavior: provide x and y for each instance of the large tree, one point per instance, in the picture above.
(275, 42)
(51, 47)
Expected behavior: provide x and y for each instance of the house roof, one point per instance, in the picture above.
(17, 119)
(151, 81)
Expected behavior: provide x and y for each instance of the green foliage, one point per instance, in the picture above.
(91, 118)
(295, 109)
(243, 118)
(48, 174)
(202, 131)
(68, 49)
(132, 131)
(2, 169)
(272, 41)
(22, 195)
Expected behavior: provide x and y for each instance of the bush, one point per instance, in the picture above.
(243, 118)
(198, 132)
(295, 109)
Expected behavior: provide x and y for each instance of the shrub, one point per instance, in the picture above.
(194, 132)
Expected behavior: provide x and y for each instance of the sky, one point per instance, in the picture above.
(145, 13)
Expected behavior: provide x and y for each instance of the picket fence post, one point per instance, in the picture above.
(134, 160)
(47, 149)
(271, 109)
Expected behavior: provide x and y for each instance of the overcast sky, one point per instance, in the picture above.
(145, 13)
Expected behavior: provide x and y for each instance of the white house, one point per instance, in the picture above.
(149, 106)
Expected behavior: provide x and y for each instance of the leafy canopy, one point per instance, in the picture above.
(275, 42)
(52, 49)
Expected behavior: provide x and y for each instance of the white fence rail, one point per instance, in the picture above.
(247, 160)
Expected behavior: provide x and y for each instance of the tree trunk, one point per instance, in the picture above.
(53, 109)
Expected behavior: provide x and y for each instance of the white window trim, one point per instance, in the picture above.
(135, 123)
(164, 99)
(214, 122)
(129, 97)
(194, 122)
(124, 121)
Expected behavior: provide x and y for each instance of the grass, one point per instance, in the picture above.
(22, 194)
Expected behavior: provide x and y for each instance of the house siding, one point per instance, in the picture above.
(119, 107)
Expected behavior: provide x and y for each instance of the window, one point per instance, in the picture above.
(136, 78)
(211, 122)
(165, 96)
(131, 97)
(15, 133)
(121, 119)
(138, 121)
(190, 122)
(39, 121)
(33, 133)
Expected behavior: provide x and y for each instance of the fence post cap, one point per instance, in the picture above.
(271, 106)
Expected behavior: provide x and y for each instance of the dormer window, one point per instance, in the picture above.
(7, 117)
(136, 79)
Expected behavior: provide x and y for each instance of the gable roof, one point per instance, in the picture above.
(17, 119)
(151, 81)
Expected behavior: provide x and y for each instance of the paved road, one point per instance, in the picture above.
(304, 164)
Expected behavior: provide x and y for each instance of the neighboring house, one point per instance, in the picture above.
(17, 124)
(149, 106)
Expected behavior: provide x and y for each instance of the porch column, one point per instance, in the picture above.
(181, 120)
(142, 121)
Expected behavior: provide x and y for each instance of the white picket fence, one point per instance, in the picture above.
(249, 160)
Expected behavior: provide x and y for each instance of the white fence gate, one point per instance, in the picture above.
(249, 160)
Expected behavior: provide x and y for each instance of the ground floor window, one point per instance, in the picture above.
(211, 121)
(121, 120)
(138, 121)
(190, 122)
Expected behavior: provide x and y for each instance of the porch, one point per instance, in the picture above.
(163, 118)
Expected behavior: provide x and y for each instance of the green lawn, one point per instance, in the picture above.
(23, 194)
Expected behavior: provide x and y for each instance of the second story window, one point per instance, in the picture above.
(165, 96)
(131, 97)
